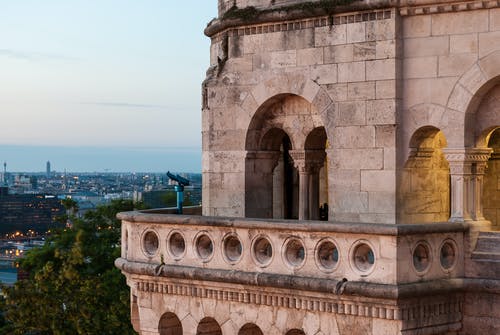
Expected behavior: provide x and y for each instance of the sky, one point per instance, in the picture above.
(118, 81)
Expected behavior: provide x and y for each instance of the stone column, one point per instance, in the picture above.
(480, 162)
(460, 175)
(467, 173)
(299, 161)
(315, 160)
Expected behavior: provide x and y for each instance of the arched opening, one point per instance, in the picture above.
(250, 329)
(316, 162)
(285, 183)
(491, 186)
(284, 135)
(208, 326)
(295, 332)
(170, 325)
(425, 184)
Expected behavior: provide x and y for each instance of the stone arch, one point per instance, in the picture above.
(208, 326)
(250, 329)
(169, 324)
(465, 98)
(276, 139)
(295, 332)
(424, 192)
(315, 155)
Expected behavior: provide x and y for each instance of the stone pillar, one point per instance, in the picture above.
(299, 161)
(466, 173)
(315, 159)
(480, 162)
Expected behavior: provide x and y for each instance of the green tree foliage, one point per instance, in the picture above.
(73, 286)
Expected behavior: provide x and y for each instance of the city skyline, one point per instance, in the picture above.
(118, 76)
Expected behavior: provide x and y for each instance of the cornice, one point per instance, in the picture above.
(437, 7)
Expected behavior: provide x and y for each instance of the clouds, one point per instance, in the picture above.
(35, 56)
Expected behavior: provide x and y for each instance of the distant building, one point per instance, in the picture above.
(22, 212)
(48, 173)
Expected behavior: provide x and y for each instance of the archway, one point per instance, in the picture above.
(315, 155)
(208, 326)
(170, 325)
(276, 145)
(424, 195)
(250, 329)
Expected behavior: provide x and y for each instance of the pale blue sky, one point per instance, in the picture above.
(101, 73)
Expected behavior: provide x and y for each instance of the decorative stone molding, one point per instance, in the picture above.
(433, 308)
(448, 7)
(292, 25)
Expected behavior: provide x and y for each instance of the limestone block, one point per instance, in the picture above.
(381, 111)
(324, 74)
(467, 43)
(350, 179)
(281, 59)
(473, 79)
(385, 89)
(240, 64)
(428, 90)
(359, 159)
(356, 32)
(350, 202)
(330, 35)
(488, 42)
(350, 72)
(420, 67)
(426, 46)
(338, 92)
(381, 30)
(490, 65)
(389, 158)
(382, 69)
(385, 136)
(351, 113)
(455, 65)
(328, 324)
(311, 324)
(361, 90)
(223, 96)
(385, 49)
(364, 51)
(354, 137)
(417, 26)
(381, 202)
(460, 22)
(339, 53)
(459, 98)
(494, 19)
(378, 180)
(311, 56)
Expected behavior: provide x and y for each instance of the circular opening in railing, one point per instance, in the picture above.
(421, 257)
(363, 257)
(150, 243)
(204, 246)
(448, 254)
(295, 253)
(262, 251)
(232, 248)
(327, 255)
(176, 245)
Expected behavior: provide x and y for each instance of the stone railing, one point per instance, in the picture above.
(234, 247)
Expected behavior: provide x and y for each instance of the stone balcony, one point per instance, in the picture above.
(317, 251)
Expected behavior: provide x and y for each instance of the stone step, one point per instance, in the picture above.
(488, 242)
(486, 256)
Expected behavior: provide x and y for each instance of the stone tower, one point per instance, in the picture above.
(350, 177)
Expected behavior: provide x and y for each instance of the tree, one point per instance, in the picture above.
(73, 286)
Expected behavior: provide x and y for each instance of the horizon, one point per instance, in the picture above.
(92, 74)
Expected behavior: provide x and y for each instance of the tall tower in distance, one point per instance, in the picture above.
(4, 175)
(48, 170)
